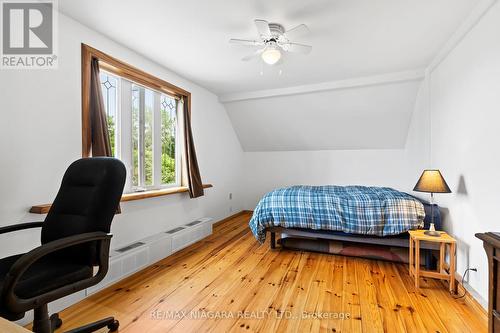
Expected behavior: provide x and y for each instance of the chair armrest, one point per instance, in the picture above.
(20, 226)
(16, 304)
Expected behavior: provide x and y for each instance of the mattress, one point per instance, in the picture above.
(375, 211)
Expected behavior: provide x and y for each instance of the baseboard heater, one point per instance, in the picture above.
(130, 247)
(127, 260)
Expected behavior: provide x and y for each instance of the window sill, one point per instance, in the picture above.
(44, 209)
(157, 193)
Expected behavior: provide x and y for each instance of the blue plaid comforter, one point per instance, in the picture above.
(362, 210)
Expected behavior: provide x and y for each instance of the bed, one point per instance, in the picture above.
(312, 217)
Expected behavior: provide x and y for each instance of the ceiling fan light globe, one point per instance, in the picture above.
(271, 56)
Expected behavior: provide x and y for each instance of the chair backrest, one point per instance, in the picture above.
(87, 200)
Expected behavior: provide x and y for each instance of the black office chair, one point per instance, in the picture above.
(75, 238)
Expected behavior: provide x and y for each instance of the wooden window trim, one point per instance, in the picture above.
(122, 69)
(44, 209)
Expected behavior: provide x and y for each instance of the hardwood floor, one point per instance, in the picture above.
(229, 282)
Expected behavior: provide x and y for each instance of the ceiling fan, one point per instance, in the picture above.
(273, 40)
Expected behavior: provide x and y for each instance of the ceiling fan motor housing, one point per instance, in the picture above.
(276, 29)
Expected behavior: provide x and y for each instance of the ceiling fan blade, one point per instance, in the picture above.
(297, 48)
(246, 42)
(296, 32)
(253, 55)
(263, 28)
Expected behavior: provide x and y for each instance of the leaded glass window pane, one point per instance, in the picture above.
(168, 111)
(109, 88)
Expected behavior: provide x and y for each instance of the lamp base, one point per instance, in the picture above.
(432, 233)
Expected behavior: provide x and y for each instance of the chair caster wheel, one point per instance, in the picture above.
(114, 326)
(55, 321)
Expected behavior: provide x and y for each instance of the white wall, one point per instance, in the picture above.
(417, 153)
(41, 135)
(265, 171)
(465, 109)
(397, 168)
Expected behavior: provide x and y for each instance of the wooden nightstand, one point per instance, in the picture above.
(445, 241)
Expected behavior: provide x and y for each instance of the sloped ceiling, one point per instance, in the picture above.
(372, 117)
(351, 39)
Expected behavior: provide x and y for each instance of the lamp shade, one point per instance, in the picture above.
(432, 181)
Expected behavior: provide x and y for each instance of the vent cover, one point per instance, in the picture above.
(130, 247)
(194, 223)
(173, 231)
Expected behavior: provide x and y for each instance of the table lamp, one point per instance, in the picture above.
(432, 181)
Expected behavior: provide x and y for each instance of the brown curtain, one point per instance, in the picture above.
(98, 123)
(98, 120)
(191, 169)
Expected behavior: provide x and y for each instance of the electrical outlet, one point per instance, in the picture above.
(230, 196)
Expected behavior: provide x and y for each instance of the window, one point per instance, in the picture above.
(143, 129)
(145, 126)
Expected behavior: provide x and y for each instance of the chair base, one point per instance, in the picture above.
(109, 322)
(42, 323)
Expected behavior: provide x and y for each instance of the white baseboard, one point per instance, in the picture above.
(476, 296)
